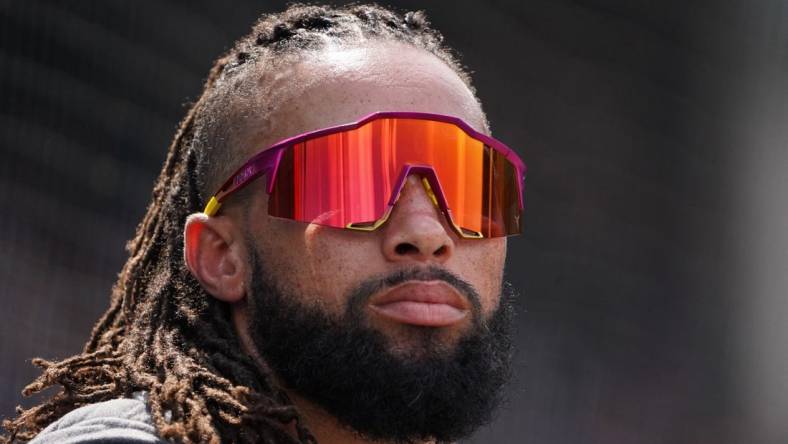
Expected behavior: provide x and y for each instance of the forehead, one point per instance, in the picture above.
(338, 85)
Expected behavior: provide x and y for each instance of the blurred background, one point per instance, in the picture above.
(654, 262)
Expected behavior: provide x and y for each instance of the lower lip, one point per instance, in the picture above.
(421, 313)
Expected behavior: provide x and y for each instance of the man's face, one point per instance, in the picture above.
(323, 265)
(316, 296)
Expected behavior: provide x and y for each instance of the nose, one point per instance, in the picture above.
(416, 230)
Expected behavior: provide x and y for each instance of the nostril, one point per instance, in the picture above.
(406, 248)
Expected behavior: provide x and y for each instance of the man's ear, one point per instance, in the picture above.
(216, 255)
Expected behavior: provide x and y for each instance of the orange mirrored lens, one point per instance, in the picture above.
(349, 177)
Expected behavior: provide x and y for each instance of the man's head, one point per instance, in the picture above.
(223, 319)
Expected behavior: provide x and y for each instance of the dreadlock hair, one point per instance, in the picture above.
(162, 333)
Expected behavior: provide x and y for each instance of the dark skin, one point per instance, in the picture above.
(321, 264)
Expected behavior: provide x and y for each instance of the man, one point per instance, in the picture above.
(343, 286)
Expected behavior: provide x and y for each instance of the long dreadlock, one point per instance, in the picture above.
(162, 333)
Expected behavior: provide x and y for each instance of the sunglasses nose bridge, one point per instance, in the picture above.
(431, 183)
(428, 180)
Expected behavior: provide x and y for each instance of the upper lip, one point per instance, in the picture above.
(431, 292)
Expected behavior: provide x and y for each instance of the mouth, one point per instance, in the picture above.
(422, 303)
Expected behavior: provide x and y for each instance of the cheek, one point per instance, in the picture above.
(281, 246)
(336, 259)
(482, 263)
(316, 263)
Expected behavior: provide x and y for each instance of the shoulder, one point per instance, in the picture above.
(117, 421)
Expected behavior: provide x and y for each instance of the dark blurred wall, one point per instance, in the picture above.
(628, 114)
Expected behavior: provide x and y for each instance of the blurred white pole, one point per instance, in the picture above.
(760, 247)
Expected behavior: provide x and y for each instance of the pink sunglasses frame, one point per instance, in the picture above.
(267, 161)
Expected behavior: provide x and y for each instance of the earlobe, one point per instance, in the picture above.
(215, 256)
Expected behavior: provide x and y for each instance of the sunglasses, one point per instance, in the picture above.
(350, 176)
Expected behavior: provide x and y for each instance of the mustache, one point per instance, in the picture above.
(366, 289)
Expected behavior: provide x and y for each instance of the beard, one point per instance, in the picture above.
(429, 390)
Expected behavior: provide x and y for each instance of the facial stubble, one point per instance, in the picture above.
(346, 366)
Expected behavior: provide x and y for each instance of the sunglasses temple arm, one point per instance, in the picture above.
(265, 162)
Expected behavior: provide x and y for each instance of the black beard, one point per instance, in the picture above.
(346, 367)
